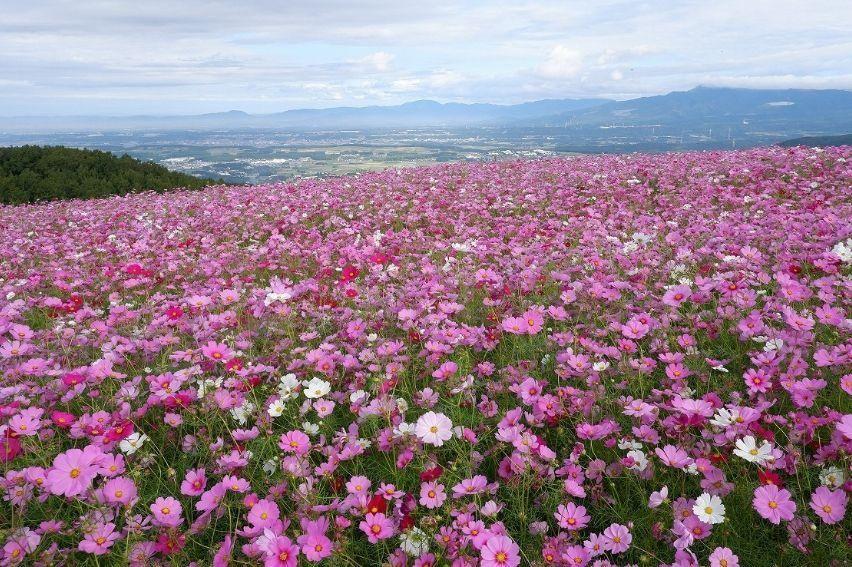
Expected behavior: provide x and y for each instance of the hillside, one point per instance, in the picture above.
(627, 354)
(34, 173)
(819, 141)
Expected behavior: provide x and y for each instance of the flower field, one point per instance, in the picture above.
(608, 360)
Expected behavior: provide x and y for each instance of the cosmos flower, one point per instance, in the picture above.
(433, 428)
(773, 504)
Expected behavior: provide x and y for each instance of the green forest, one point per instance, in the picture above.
(30, 174)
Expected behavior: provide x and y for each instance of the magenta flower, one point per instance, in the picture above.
(167, 512)
(773, 503)
(377, 526)
(295, 442)
(723, 557)
(617, 538)
(120, 490)
(500, 551)
(432, 495)
(358, 485)
(73, 471)
(263, 514)
(830, 505)
(470, 486)
(571, 517)
(99, 540)
(515, 325)
(217, 351)
(281, 552)
(674, 456)
(193, 483)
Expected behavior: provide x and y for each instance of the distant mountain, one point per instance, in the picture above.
(819, 141)
(712, 107)
(421, 113)
(701, 118)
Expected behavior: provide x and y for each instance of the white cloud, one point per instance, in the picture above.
(378, 61)
(263, 55)
(561, 63)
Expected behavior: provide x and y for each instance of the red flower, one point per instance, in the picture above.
(377, 504)
(769, 477)
(431, 474)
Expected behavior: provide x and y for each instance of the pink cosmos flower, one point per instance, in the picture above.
(193, 483)
(515, 325)
(264, 513)
(571, 517)
(218, 352)
(500, 551)
(73, 471)
(120, 490)
(674, 456)
(534, 321)
(723, 557)
(167, 512)
(830, 505)
(281, 552)
(376, 526)
(617, 538)
(27, 422)
(99, 540)
(358, 485)
(773, 503)
(470, 486)
(315, 544)
(295, 442)
(432, 495)
(675, 296)
(575, 556)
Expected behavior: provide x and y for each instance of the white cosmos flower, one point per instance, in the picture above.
(276, 408)
(414, 542)
(640, 461)
(403, 429)
(316, 388)
(358, 396)
(310, 428)
(832, 477)
(270, 466)
(747, 449)
(433, 428)
(132, 442)
(709, 509)
(723, 418)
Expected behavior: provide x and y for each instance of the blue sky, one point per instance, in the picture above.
(192, 56)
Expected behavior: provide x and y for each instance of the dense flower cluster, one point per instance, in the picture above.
(595, 361)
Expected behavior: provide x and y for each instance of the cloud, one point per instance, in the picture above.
(60, 57)
(378, 61)
(561, 63)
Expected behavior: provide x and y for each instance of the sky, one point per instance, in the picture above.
(101, 57)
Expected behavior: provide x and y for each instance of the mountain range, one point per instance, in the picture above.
(733, 112)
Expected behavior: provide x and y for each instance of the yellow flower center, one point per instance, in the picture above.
(74, 473)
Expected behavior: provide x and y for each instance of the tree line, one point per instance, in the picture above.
(30, 174)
